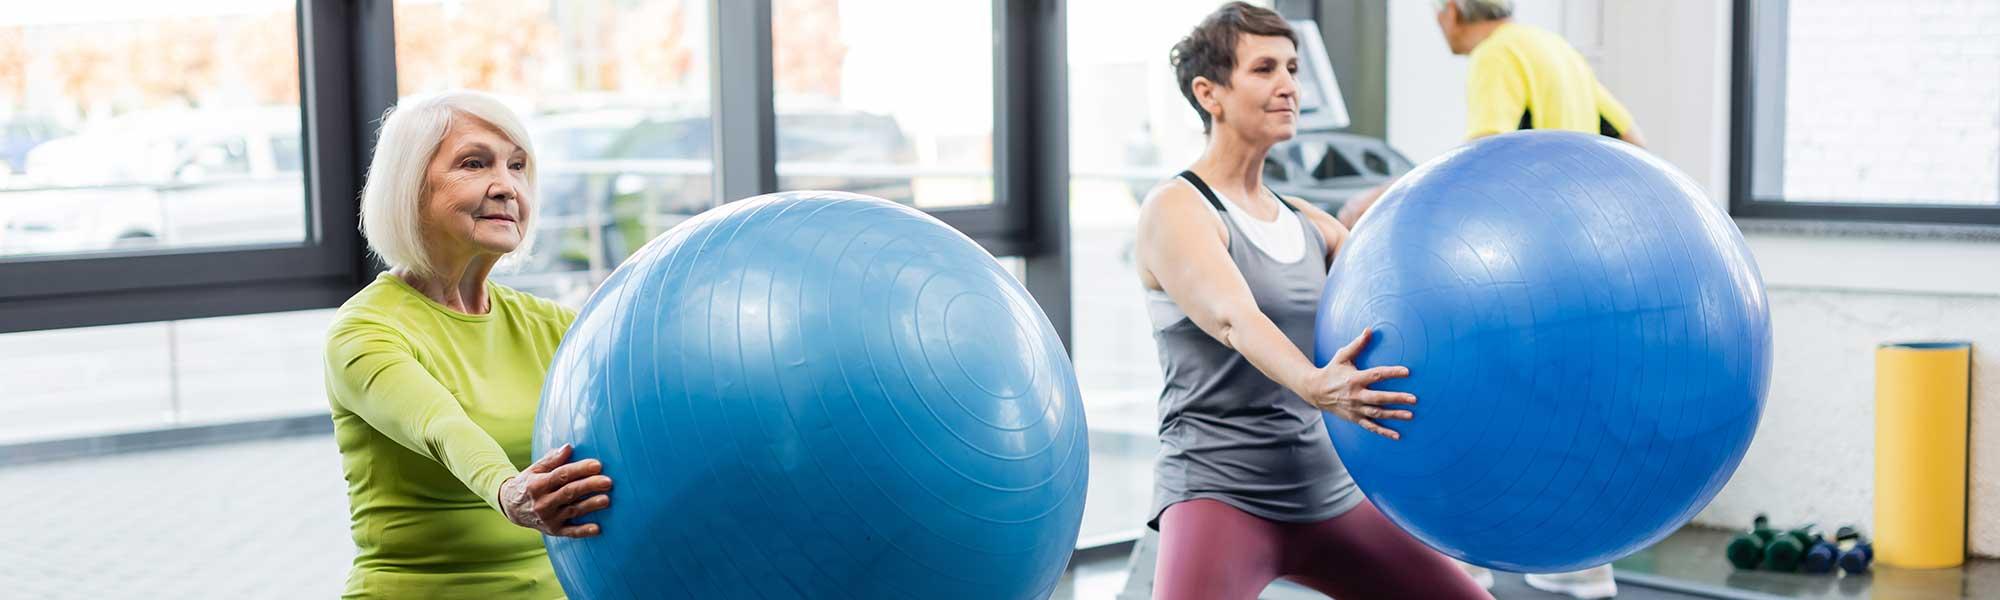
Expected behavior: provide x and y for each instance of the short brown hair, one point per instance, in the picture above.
(1210, 50)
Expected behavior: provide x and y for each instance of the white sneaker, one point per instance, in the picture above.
(1590, 584)
(1481, 575)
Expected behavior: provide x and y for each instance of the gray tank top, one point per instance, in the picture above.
(1229, 433)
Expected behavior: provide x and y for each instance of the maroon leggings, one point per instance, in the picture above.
(1212, 551)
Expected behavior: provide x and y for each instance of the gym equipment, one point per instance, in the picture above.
(822, 395)
(1746, 550)
(1921, 442)
(1588, 339)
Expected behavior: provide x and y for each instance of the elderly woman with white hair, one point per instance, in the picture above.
(434, 372)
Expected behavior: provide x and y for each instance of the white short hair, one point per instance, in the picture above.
(1474, 11)
(392, 200)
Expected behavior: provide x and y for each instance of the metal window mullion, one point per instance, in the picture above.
(1031, 139)
(740, 99)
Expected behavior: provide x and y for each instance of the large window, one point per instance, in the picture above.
(149, 131)
(1881, 111)
(179, 181)
(868, 103)
(179, 160)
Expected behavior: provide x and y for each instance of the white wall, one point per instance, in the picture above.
(1833, 297)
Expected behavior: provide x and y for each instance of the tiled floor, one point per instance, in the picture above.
(268, 519)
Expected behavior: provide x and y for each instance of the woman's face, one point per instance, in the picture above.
(476, 197)
(1261, 101)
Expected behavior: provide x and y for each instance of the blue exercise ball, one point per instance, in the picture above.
(1588, 341)
(818, 395)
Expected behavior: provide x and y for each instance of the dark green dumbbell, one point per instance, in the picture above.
(1787, 549)
(1746, 550)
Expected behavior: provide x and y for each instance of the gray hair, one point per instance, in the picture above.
(1474, 11)
(392, 200)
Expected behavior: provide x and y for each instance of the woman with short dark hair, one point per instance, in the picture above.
(1247, 486)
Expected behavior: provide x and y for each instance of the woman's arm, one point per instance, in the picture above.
(1182, 252)
(376, 377)
(1330, 228)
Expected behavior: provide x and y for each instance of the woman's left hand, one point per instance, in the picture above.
(550, 493)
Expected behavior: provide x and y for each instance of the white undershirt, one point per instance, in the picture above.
(1281, 239)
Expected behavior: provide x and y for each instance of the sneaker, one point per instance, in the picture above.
(1481, 575)
(1590, 584)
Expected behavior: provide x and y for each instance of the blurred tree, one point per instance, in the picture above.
(267, 49)
(173, 60)
(87, 74)
(806, 49)
(489, 45)
(420, 47)
(655, 37)
(14, 60)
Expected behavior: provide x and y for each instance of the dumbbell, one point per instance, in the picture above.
(1746, 550)
(1787, 549)
(1855, 559)
(1825, 555)
(1848, 549)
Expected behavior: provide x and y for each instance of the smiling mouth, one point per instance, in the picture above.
(496, 218)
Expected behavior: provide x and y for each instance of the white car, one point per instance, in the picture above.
(171, 178)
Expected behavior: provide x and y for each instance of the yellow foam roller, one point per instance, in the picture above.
(1921, 392)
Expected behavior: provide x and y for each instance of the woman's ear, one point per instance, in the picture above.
(1204, 92)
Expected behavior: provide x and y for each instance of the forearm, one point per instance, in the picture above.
(472, 456)
(1267, 348)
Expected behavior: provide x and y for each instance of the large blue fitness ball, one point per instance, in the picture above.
(818, 395)
(1588, 341)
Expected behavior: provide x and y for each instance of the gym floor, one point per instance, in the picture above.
(160, 525)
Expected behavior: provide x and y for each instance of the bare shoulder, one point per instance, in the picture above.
(1175, 204)
(1171, 196)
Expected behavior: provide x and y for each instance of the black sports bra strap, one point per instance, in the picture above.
(1281, 199)
(1202, 186)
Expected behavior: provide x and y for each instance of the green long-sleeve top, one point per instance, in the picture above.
(433, 409)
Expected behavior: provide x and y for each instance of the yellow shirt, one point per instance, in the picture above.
(433, 409)
(1525, 78)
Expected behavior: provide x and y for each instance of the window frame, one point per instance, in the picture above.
(346, 75)
(348, 81)
(1757, 62)
(1029, 216)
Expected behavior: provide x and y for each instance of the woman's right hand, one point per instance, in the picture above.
(550, 493)
(1341, 389)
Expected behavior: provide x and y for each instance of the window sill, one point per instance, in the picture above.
(1864, 229)
(1876, 257)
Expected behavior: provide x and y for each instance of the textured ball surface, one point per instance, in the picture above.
(1588, 340)
(819, 395)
